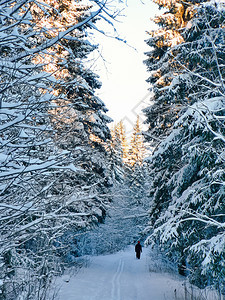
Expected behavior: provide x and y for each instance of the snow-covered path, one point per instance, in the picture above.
(120, 276)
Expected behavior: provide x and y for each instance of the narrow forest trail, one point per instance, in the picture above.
(120, 276)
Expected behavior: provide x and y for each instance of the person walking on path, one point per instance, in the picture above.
(138, 249)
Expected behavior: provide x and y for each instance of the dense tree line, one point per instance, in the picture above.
(59, 160)
(127, 213)
(55, 173)
(132, 151)
(187, 131)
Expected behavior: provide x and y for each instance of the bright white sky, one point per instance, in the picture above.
(125, 91)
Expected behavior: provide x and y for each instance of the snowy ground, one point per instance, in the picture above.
(121, 276)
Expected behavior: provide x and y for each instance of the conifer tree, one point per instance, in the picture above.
(187, 189)
(168, 99)
(78, 116)
(137, 148)
(116, 156)
(136, 170)
(120, 143)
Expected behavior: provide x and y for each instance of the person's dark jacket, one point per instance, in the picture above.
(138, 248)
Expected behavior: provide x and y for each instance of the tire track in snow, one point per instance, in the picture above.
(115, 292)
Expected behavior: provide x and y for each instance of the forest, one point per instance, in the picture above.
(64, 170)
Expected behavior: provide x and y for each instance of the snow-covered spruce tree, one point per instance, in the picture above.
(47, 185)
(117, 155)
(78, 116)
(187, 193)
(187, 199)
(162, 66)
(136, 171)
(137, 149)
(129, 156)
(120, 143)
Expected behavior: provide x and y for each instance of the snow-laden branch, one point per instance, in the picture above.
(53, 164)
(135, 216)
(195, 216)
(197, 108)
(55, 40)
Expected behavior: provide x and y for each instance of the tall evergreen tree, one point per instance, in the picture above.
(116, 157)
(169, 98)
(137, 149)
(136, 170)
(187, 191)
(120, 143)
(78, 116)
